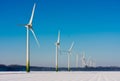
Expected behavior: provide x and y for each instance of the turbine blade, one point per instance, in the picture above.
(21, 24)
(58, 41)
(71, 46)
(30, 22)
(35, 37)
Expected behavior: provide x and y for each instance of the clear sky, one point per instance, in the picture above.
(94, 26)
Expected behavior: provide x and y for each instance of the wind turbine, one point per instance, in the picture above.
(29, 27)
(57, 47)
(69, 53)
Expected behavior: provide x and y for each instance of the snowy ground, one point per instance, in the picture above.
(60, 76)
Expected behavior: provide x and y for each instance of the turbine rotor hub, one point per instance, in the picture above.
(29, 26)
(58, 43)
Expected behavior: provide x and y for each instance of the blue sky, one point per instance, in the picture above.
(94, 26)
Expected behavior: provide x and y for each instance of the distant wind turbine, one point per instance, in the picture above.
(57, 47)
(69, 53)
(29, 27)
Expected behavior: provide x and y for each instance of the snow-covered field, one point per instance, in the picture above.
(60, 76)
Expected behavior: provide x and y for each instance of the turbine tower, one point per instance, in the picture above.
(29, 27)
(57, 47)
(69, 53)
(77, 61)
(83, 59)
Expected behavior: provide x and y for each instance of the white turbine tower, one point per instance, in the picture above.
(69, 53)
(83, 59)
(57, 47)
(77, 61)
(29, 27)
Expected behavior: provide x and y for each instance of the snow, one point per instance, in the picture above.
(61, 76)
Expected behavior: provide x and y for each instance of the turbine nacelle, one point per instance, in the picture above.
(69, 53)
(57, 43)
(28, 26)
